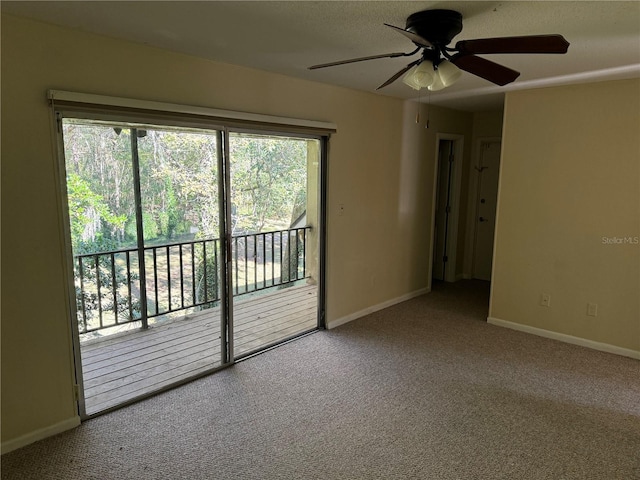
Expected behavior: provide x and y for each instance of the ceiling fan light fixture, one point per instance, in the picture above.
(448, 73)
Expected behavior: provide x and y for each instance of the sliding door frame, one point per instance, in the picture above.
(224, 359)
(323, 142)
(109, 113)
(225, 233)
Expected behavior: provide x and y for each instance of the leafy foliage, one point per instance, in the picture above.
(93, 224)
(267, 174)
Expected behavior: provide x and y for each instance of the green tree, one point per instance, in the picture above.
(268, 178)
(89, 216)
(100, 156)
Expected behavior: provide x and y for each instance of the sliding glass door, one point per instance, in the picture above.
(144, 216)
(274, 229)
(191, 248)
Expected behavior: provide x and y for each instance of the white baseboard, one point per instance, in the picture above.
(583, 342)
(24, 440)
(375, 308)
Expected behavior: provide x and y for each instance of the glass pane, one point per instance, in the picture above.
(179, 190)
(101, 205)
(274, 220)
(99, 186)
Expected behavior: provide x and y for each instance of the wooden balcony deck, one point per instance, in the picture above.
(119, 369)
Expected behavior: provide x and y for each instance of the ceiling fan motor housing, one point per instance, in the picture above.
(437, 26)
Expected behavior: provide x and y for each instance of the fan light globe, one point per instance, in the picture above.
(424, 74)
(409, 79)
(437, 84)
(420, 76)
(448, 73)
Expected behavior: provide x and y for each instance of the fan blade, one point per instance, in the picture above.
(415, 38)
(528, 44)
(360, 59)
(481, 67)
(399, 74)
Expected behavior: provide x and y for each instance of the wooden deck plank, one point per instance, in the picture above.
(147, 344)
(209, 318)
(129, 365)
(288, 313)
(249, 346)
(146, 372)
(123, 369)
(132, 339)
(244, 306)
(289, 318)
(293, 315)
(115, 398)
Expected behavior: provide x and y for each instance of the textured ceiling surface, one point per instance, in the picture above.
(287, 37)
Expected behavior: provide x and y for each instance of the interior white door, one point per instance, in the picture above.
(489, 169)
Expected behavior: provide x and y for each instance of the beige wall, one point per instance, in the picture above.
(487, 125)
(381, 166)
(570, 176)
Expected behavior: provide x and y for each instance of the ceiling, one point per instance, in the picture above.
(288, 36)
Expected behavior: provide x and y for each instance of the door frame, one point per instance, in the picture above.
(454, 214)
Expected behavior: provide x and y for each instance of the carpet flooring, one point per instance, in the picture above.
(425, 389)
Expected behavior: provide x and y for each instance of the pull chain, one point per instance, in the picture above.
(420, 97)
(428, 108)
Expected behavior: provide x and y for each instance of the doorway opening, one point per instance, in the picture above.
(446, 206)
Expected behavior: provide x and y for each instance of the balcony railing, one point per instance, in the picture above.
(111, 291)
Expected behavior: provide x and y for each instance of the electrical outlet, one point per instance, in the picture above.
(545, 300)
(592, 309)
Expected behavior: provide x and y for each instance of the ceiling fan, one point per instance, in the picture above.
(439, 65)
